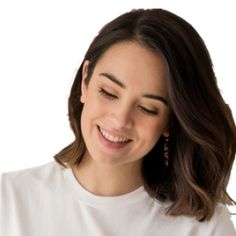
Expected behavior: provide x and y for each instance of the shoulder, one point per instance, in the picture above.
(22, 180)
(33, 172)
(220, 223)
(30, 194)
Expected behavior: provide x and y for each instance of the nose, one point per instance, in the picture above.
(122, 117)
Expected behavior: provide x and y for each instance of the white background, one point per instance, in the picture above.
(42, 44)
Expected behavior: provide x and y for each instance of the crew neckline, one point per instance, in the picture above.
(98, 201)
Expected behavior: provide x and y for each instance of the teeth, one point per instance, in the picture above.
(112, 138)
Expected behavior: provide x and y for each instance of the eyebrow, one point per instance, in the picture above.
(156, 97)
(122, 85)
(113, 79)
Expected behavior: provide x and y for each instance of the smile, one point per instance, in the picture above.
(112, 138)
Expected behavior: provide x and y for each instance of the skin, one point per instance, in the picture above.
(116, 101)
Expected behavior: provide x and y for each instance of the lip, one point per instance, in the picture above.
(110, 144)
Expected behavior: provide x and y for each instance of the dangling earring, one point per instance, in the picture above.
(166, 151)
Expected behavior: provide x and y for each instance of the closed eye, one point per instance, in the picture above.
(106, 94)
(111, 96)
(147, 111)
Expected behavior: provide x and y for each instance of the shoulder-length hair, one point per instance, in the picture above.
(203, 133)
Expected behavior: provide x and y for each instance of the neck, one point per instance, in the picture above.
(106, 180)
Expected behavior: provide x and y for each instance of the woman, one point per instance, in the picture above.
(154, 141)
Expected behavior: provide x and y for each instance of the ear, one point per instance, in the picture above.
(166, 131)
(166, 134)
(83, 84)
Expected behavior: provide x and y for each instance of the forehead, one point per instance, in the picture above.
(134, 64)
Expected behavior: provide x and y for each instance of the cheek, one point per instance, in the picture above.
(152, 130)
(93, 107)
(148, 137)
(152, 135)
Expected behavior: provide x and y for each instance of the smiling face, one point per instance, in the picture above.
(125, 104)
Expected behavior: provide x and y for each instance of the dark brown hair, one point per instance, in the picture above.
(203, 134)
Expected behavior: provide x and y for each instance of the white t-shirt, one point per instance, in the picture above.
(48, 201)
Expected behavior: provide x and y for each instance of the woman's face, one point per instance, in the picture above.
(125, 104)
